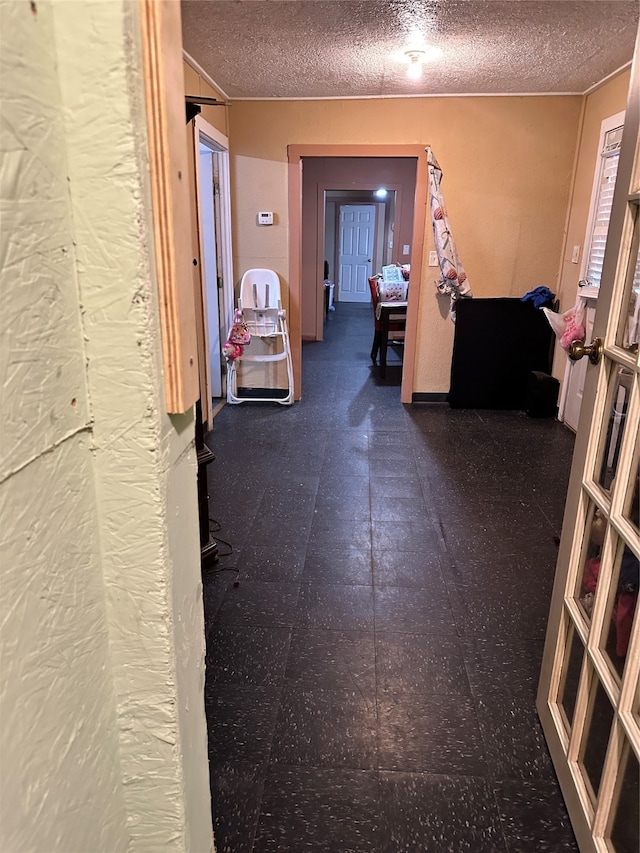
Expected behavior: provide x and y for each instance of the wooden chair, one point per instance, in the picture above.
(395, 331)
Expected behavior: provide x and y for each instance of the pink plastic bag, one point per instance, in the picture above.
(569, 326)
(239, 333)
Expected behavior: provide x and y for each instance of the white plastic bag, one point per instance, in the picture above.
(569, 326)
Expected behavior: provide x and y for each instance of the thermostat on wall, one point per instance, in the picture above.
(265, 217)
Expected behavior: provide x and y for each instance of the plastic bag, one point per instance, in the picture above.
(569, 326)
(239, 333)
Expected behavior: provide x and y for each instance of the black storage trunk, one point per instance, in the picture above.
(542, 395)
(497, 343)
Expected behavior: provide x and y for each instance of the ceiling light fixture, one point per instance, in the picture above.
(415, 58)
(381, 193)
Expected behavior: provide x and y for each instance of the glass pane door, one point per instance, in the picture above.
(589, 689)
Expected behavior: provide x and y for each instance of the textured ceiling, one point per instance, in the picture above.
(354, 48)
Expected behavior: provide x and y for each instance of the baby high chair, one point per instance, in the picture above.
(266, 320)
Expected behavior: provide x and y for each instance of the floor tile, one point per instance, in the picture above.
(403, 535)
(335, 508)
(247, 655)
(498, 612)
(271, 563)
(514, 742)
(325, 728)
(341, 607)
(397, 509)
(258, 603)
(286, 502)
(319, 810)
(351, 465)
(339, 566)
(241, 722)
(430, 734)
(339, 533)
(414, 611)
(396, 487)
(439, 814)
(408, 568)
(511, 666)
(274, 528)
(332, 659)
(534, 817)
(383, 466)
(420, 664)
(236, 795)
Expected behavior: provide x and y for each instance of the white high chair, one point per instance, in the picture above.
(261, 305)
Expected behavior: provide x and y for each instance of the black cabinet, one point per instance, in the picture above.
(497, 344)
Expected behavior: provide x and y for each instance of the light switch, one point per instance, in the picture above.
(575, 255)
(405, 250)
(433, 259)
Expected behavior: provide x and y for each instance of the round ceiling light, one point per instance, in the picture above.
(415, 63)
(417, 56)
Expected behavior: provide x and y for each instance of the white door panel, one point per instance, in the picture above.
(356, 242)
(575, 376)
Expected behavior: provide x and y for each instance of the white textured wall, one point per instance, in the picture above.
(102, 632)
(61, 781)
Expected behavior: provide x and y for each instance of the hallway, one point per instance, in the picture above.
(371, 681)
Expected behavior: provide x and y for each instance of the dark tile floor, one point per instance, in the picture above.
(371, 681)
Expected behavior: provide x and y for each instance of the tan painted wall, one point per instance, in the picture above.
(605, 101)
(507, 166)
(103, 736)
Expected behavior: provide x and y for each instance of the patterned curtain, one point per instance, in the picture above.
(453, 279)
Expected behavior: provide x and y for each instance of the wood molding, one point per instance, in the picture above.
(295, 269)
(168, 156)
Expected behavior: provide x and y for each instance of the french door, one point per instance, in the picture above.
(589, 695)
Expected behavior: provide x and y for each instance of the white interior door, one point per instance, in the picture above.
(214, 233)
(589, 695)
(357, 234)
(209, 262)
(574, 378)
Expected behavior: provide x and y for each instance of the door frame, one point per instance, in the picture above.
(295, 154)
(218, 143)
(575, 373)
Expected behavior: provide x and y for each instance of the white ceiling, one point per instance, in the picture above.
(354, 48)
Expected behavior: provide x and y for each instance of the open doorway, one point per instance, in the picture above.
(352, 180)
(306, 211)
(211, 156)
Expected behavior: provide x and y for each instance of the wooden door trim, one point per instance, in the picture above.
(200, 288)
(161, 43)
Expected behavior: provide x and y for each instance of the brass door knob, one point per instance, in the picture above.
(578, 349)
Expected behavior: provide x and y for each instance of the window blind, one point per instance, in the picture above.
(609, 158)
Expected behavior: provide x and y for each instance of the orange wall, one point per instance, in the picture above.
(507, 164)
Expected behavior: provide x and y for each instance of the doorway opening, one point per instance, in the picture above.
(316, 170)
(211, 156)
